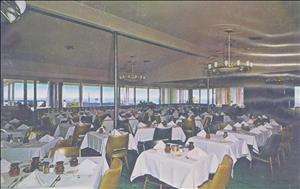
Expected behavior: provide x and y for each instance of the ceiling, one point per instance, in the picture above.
(44, 46)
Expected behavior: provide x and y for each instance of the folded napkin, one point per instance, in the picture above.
(8, 126)
(141, 124)
(182, 117)
(250, 121)
(228, 127)
(244, 117)
(154, 122)
(220, 132)
(37, 178)
(23, 127)
(197, 117)
(171, 123)
(107, 118)
(5, 166)
(202, 133)
(46, 138)
(222, 113)
(60, 116)
(237, 124)
(178, 121)
(273, 122)
(100, 128)
(245, 123)
(159, 145)
(86, 167)
(161, 126)
(115, 133)
(132, 117)
(267, 125)
(196, 153)
(264, 116)
(14, 121)
(231, 138)
(58, 156)
(255, 131)
(121, 118)
(262, 128)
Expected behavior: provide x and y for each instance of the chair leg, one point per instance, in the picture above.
(271, 165)
(126, 161)
(160, 186)
(278, 160)
(145, 182)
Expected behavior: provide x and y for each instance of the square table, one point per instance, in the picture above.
(179, 172)
(24, 152)
(70, 179)
(219, 146)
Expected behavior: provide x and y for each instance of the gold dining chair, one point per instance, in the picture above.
(67, 151)
(117, 147)
(222, 176)
(189, 126)
(111, 178)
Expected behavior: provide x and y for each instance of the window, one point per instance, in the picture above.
(233, 95)
(141, 95)
(203, 96)
(108, 95)
(30, 93)
(70, 95)
(196, 97)
(165, 95)
(154, 96)
(90, 95)
(126, 96)
(297, 96)
(42, 94)
(182, 96)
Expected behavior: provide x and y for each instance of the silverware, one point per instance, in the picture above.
(55, 181)
(17, 182)
(16, 179)
(58, 179)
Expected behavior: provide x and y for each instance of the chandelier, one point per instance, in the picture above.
(132, 77)
(12, 10)
(229, 66)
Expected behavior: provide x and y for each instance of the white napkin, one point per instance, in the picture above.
(245, 123)
(231, 138)
(86, 167)
(250, 121)
(141, 124)
(264, 116)
(202, 133)
(5, 166)
(161, 126)
(159, 145)
(198, 117)
(100, 128)
(178, 121)
(107, 118)
(220, 132)
(8, 126)
(23, 127)
(267, 125)
(132, 117)
(255, 131)
(60, 116)
(181, 117)
(196, 153)
(228, 127)
(237, 125)
(273, 122)
(14, 121)
(115, 133)
(154, 122)
(222, 113)
(37, 178)
(121, 118)
(262, 128)
(46, 138)
(171, 123)
(58, 156)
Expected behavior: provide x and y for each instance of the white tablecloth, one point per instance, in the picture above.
(97, 141)
(70, 179)
(178, 172)
(198, 123)
(217, 145)
(146, 134)
(62, 130)
(25, 152)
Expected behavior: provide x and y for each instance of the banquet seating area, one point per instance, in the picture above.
(142, 94)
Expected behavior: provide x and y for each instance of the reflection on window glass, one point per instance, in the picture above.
(154, 96)
(30, 96)
(141, 95)
(70, 95)
(90, 95)
(108, 96)
(126, 96)
(42, 95)
(196, 94)
(18, 92)
(297, 96)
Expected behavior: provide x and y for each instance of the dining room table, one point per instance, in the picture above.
(221, 146)
(175, 169)
(86, 175)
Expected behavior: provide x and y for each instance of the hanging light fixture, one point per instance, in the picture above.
(132, 76)
(12, 10)
(229, 66)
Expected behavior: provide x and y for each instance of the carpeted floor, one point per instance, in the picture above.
(285, 177)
